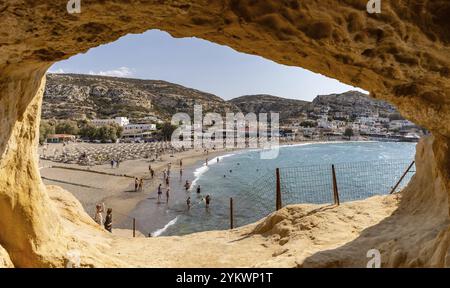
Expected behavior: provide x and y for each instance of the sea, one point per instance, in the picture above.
(362, 169)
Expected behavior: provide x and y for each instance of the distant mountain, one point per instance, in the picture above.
(353, 102)
(287, 108)
(75, 96)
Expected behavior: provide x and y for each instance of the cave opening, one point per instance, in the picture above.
(397, 57)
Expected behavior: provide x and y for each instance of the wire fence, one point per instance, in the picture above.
(308, 184)
(318, 184)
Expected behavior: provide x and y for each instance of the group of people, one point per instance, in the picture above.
(107, 223)
(115, 163)
(138, 184)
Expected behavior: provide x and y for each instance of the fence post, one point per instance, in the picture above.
(335, 187)
(278, 203)
(231, 213)
(134, 227)
(401, 178)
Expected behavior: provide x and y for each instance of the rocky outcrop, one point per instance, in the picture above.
(353, 102)
(287, 108)
(5, 261)
(401, 55)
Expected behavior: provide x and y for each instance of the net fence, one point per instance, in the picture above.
(313, 184)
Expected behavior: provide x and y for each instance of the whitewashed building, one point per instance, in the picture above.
(121, 121)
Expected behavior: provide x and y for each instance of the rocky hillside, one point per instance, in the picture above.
(74, 96)
(77, 96)
(353, 102)
(287, 108)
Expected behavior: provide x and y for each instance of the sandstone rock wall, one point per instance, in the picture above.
(401, 55)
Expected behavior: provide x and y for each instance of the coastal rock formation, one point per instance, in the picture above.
(5, 261)
(401, 55)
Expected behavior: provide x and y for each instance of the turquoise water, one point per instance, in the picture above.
(363, 170)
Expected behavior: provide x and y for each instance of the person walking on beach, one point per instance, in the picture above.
(99, 209)
(112, 163)
(136, 184)
(108, 220)
(141, 184)
(152, 172)
(164, 174)
(181, 162)
(188, 202)
(167, 195)
(159, 193)
(117, 163)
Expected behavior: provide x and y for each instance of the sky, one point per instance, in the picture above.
(199, 64)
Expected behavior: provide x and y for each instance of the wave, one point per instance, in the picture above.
(202, 169)
(162, 230)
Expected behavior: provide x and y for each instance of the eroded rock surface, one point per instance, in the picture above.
(401, 55)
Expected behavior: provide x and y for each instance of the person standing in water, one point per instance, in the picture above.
(207, 201)
(159, 192)
(167, 195)
(188, 202)
(206, 161)
(181, 162)
(198, 189)
(187, 185)
(181, 173)
(108, 220)
(167, 180)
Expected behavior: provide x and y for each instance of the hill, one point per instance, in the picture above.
(75, 96)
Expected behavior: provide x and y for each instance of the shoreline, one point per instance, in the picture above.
(122, 198)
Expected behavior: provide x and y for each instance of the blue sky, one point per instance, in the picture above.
(199, 64)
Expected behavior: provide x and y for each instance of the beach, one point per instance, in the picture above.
(154, 217)
(117, 192)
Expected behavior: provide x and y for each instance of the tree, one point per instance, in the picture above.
(45, 129)
(348, 132)
(67, 127)
(308, 124)
(88, 131)
(167, 130)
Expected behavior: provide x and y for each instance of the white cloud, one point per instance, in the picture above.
(123, 72)
(57, 71)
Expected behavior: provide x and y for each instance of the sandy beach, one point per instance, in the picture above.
(117, 192)
(115, 186)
